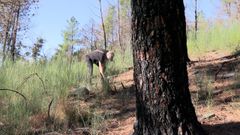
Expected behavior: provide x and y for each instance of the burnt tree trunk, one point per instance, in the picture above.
(196, 18)
(163, 99)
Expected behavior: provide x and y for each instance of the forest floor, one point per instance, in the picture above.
(214, 83)
(215, 88)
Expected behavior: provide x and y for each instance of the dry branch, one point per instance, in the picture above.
(123, 86)
(14, 92)
(49, 108)
(29, 77)
(219, 70)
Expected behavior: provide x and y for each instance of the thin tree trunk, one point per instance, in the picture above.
(15, 30)
(196, 19)
(228, 9)
(92, 42)
(103, 26)
(160, 56)
(119, 26)
(71, 51)
(11, 34)
(6, 36)
(238, 9)
(120, 31)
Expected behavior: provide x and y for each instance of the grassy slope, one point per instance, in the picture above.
(41, 83)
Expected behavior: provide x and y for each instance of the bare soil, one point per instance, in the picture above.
(214, 83)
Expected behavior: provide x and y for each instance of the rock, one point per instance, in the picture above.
(1, 124)
(228, 75)
(208, 116)
(53, 133)
(80, 93)
(82, 131)
(217, 92)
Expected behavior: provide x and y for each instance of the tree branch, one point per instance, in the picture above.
(15, 92)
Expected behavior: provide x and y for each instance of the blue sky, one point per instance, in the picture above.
(51, 18)
(210, 8)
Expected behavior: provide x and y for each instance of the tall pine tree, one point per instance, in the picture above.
(160, 56)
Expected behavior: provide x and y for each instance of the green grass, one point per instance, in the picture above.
(121, 62)
(220, 37)
(40, 83)
(204, 91)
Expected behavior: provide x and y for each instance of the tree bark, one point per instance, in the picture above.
(196, 19)
(6, 36)
(119, 25)
(15, 30)
(92, 44)
(163, 99)
(103, 25)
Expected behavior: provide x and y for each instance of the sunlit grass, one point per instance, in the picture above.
(122, 61)
(221, 37)
(40, 82)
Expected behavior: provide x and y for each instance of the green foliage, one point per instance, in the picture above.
(125, 8)
(122, 61)
(37, 48)
(109, 21)
(70, 37)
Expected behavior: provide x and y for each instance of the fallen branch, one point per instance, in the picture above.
(123, 86)
(41, 81)
(49, 108)
(14, 92)
(30, 76)
(219, 69)
(115, 88)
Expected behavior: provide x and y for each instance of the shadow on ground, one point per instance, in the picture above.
(122, 101)
(218, 79)
(231, 128)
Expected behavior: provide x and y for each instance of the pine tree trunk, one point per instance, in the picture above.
(119, 26)
(15, 30)
(6, 36)
(103, 25)
(196, 18)
(164, 104)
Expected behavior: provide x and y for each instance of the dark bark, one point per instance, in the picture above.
(196, 19)
(6, 36)
(163, 99)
